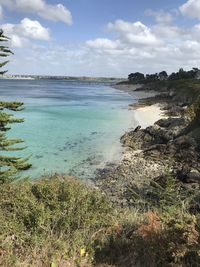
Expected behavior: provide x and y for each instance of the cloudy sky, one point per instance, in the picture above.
(101, 38)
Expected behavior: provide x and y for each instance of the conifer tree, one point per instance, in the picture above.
(9, 165)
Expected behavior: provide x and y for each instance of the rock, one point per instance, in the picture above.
(165, 123)
(158, 134)
(171, 93)
(184, 142)
(140, 139)
(136, 139)
(137, 128)
(149, 153)
(194, 176)
(155, 151)
(182, 173)
(187, 174)
(172, 122)
(174, 109)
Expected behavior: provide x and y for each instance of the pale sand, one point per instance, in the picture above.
(147, 116)
(144, 115)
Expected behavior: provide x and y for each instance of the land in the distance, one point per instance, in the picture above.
(68, 78)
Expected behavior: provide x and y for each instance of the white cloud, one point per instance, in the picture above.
(103, 43)
(27, 5)
(25, 30)
(135, 33)
(33, 29)
(160, 16)
(103, 61)
(57, 13)
(1, 12)
(169, 32)
(135, 46)
(138, 47)
(191, 8)
(51, 12)
(19, 42)
(132, 46)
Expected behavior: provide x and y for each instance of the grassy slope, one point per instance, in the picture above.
(62, 222)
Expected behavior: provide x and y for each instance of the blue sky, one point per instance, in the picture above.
(101, 38)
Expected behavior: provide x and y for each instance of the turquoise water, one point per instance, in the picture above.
(70, 127)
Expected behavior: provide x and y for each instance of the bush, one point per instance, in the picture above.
(48, 220)
(158, 240)
(164, 232)
(60, 222)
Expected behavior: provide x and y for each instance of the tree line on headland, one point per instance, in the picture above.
(138, 77)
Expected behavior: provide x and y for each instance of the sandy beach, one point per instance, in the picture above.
(148, 115)
(143, 114)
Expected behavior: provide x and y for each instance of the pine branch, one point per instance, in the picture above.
(9, 166)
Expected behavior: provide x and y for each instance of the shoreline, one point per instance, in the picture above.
(127, 87)
(158, 145)
(144, 116)
(132, 161)
(147, 115)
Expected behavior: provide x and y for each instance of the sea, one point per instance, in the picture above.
(70, 127)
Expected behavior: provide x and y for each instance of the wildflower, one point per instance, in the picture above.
(82, 252)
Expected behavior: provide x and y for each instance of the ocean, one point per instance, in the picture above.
(70, 127)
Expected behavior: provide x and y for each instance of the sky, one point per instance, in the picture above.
(109, 38)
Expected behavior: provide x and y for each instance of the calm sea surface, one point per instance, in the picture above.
(70, 127)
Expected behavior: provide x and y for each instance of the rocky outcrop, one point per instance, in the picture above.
(134, 170)
(149, 153)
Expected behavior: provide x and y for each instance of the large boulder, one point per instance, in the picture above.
(136, 139)
(159, 135)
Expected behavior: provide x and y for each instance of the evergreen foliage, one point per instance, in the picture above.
(9, 165)
(138, 77)
(163, 76)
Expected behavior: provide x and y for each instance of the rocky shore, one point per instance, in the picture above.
(168, 147)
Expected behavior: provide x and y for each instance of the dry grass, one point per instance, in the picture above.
(61, 222)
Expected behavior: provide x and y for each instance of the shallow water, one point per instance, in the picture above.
(70, 127)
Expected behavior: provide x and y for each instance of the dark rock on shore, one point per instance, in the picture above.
(167, 146)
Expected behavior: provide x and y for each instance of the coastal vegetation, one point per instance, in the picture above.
(137, 77)
(60, 221)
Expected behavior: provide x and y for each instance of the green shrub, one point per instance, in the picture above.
(60, 222)
(50, 218)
